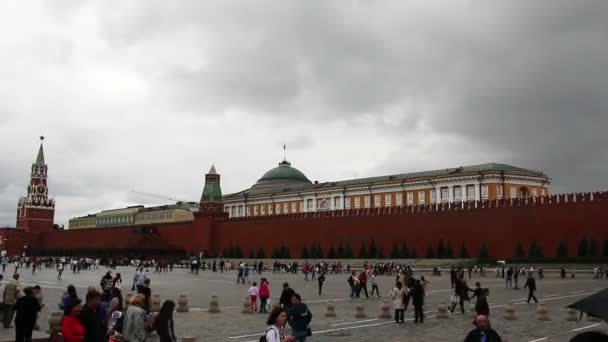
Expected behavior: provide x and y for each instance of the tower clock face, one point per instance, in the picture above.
(40, 189)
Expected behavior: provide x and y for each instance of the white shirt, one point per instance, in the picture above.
(272, 334)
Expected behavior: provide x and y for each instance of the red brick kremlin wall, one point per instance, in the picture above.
(501, 224)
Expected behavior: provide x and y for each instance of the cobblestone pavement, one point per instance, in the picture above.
(232, 325)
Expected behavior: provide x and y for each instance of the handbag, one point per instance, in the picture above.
(308, 331)
(455, 299)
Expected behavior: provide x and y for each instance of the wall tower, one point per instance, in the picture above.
(36, 211)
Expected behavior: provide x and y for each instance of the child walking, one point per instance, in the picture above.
(253, 293)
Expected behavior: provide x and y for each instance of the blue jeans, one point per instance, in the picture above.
(299, 335)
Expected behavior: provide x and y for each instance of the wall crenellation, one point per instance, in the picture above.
(548, 200)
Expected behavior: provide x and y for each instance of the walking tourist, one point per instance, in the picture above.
(398, 295)
(363, 284)
(509, 281)
(134, 324)
(147, 292)
(299, 318)
(481, 305)
(320, 281)
(27, 308)
(482, 332)
(163, 323)
(264, 294)
(10, 295)
(531, 285)
(70, 298)
(92, 318)
(275, 332)
(253, 294)
(417, 294)
(71, 328)
(285, 300)
(374, 281)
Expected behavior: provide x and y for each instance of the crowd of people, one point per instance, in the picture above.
(102, 314)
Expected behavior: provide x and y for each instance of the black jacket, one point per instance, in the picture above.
(531, 283)
(299, 317)
(475, 336)
(27, 308)
(92, 322)
(417, 294)
(286, 295)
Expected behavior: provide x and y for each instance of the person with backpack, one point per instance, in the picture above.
(275, 332)
(299, 318)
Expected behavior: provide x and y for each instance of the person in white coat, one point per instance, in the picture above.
(398, 293)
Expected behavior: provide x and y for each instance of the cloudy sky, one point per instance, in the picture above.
(146, 95)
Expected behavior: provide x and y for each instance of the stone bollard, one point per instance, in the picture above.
(128, 300)
(182, 303)
(188, 339)
(442, 310)
(542, 312)
(214, 304)
(360, 310)
(571, 315)
(155, 306)
(385, 310)
(247, 306)
(472, 311)
(331, 309)
(509, 312)
(55, 321)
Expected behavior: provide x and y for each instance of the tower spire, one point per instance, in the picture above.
(284, 152)
(40, 156)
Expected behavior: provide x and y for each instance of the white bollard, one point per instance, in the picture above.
(331, 309)
(360, 310)
(385, 310)
(542, 312)
(442, 310)
(214, 304)
(509, 312)
(247, 306)
(571, 315)
(155, 305)
(182, 304)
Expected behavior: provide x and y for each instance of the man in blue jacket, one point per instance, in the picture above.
(299, 318)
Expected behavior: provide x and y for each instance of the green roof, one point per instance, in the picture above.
(212, 192)
(40, 156)
(283, 174)
(489, 167)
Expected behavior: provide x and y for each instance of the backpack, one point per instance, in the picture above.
(263, 338)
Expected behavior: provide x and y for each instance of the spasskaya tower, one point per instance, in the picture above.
(36, 211)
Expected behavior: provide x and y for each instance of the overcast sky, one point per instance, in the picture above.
(146, 95)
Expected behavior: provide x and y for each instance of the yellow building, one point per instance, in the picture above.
(286, 190)
(137, 215)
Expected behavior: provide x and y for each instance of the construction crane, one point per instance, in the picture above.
(149, 194)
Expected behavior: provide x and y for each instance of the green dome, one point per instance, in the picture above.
(284, 174)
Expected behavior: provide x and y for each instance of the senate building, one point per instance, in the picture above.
(286, 190)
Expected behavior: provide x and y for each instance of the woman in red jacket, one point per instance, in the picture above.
(264, 294)
(71, 328)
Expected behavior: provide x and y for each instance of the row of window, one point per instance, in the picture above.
(123, 219)
(459, 193)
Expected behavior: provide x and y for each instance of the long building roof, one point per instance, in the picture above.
(488, 167)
